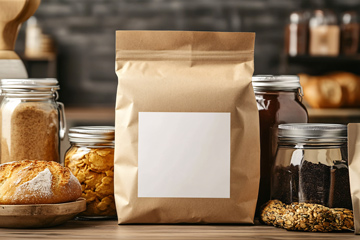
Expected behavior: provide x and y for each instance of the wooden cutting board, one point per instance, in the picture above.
(39, 215)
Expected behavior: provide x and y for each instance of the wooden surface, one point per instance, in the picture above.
(110, 230)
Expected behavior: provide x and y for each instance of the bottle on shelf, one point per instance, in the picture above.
(324, 34)
(349, 42)
(296, 34)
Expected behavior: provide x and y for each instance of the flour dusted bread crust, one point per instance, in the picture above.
(37, 182)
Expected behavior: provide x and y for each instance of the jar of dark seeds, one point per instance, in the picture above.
(310, 179)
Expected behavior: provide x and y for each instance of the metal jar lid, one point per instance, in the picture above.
(276, 83)
(32, 88)
(92, 134)
(40, 84)
(312, 132)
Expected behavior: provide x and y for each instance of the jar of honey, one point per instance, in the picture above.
(279, 100)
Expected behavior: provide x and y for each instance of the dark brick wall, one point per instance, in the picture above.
(85, 33)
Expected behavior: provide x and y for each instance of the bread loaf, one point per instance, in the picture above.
(323, 93)
(350, 84)
(332, 90)
(37, 182)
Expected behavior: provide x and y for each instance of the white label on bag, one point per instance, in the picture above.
(184, 155)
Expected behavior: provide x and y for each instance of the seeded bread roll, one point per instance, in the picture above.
(37, 182)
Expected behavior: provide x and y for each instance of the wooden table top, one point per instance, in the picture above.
(110, 230)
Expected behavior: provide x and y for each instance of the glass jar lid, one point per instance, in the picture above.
(92, 134)
(276, 83)
(312, 132)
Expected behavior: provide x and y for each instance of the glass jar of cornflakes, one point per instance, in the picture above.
(91, 160)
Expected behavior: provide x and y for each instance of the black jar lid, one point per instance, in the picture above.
(92, 134)
(276, 83)
(312, 132)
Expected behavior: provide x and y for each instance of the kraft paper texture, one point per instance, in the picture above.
(354, 170)
(166, 71)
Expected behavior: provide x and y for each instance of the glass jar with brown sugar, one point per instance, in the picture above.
(91, 159)
(32, 122)
(279, 100)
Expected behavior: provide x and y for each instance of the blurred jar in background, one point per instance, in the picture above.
(349, 33)
(37, 44)
(296, 34)
(324, 34)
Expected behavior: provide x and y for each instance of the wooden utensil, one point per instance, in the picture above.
(12, 14)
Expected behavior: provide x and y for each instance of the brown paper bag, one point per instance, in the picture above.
(354, 170)
(187, 129)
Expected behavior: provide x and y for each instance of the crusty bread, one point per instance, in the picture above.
(37, 182)
(323, 93)
(332, 90)
(350, 84)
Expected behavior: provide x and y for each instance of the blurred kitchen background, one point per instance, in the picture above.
(74, 41)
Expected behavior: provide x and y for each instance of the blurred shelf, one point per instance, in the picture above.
(93, 114)
(319, 65)
(45, 57)
(334, 112)
(334, 115)
(323, 59)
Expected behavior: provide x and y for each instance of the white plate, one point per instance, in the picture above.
(39, 215)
